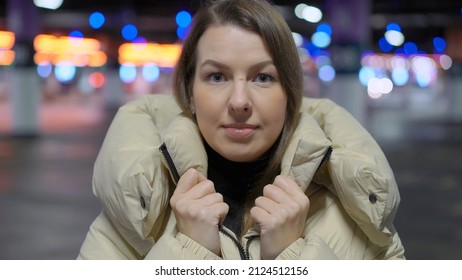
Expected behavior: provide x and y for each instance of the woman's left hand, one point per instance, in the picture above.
(281, 213)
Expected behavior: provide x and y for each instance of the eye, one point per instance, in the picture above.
(264, 78)
(216, 77)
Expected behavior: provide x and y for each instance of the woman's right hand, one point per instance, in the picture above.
(199, 209)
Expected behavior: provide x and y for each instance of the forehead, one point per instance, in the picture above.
(227, 42)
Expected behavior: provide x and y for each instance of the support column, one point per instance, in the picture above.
(23, 19)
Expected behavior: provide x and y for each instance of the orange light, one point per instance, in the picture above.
(78, 51)
(6, 57)
(163, 55)
(7, 39)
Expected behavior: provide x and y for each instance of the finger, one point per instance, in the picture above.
(211, 199)
(222, 210)
(276, 194)
(297, 199)
(289, 186)
(200, 190)
(188, 180)
(259, 215)
(267, 204)
(210, 212)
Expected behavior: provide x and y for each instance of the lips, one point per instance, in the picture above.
(240, 131)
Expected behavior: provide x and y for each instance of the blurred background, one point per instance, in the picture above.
(66, 66)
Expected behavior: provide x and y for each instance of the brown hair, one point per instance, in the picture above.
(262, 18)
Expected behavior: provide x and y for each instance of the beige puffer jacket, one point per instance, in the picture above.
(353, 196)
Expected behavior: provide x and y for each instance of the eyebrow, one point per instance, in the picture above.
(226, 67)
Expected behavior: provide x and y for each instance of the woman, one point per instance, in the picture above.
(240, 166)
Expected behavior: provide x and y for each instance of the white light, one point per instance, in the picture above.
(446, 62)
(312, 14)
(298, 39)
(48, 4)
(423, 64)
(299, 10)
(399, 62)
(385, 85)
(395, 38)
(373, 85)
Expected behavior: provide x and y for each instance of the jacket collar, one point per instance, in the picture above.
(301, 160)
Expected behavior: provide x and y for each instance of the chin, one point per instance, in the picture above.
(239, 155)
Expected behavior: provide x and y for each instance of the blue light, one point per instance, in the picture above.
(384, 45)
(140, 40)
(326, 28)
(129, 32)
(183, 19)
(127, 73)
(410, 48)
(65, 72)
(399, 51)
(423, 79)
(76, 34)
(400, 76)
(365, 74)
(393, 26)
(96, 20)
(150, 72)
(321, 39)
(326, 73)
(439, 44)
(44, 69)
(312, 49)
(182, 32)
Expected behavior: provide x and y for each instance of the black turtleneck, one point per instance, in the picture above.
(234, 180)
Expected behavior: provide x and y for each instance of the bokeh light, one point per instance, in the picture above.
(150, 72)
(96, 20)
(439, 44)
(410, 48)
(44, 69)
(97, 80)
(182, 32)
(394, 37)
(400, 76)
(312, 14)
(65, 72)
(393, 27)
(326, 73)
(129, 32)
(321, 39)
(183, 19)
(48, 4)
(325, 27)
(127, 73)
(365, 74)
(384, 45)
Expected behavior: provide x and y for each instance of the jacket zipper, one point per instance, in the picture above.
(326, 157)
(243, 252)
(170, 163)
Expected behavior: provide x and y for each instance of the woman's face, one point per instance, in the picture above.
(238, 99)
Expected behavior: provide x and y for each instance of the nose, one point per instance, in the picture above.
(239, 101)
